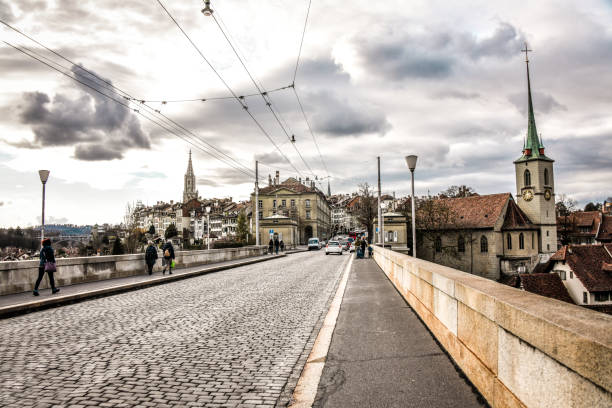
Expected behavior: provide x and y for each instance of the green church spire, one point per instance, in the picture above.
(532, 146)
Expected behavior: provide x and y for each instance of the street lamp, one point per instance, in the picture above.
(411, 162)
(208, 226)
(207, 11)
(44, 176)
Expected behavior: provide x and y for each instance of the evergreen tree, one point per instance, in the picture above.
(171, 231)
(118, 247)
(242, 229)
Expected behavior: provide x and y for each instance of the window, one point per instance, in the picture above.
(307, 214)
(274, 203)
(484, 244)
(509, 241)
(602, 296)
(438, 244)
(548, 247)
(547, 233)
(461, 244)
(394, 236)
(571, 274)
(546, 177)
(532, 240)
(561, 274)
(521, 241)
(284, 203)
(293, 203)
(527, 178)
(307, 203)
(585, 297)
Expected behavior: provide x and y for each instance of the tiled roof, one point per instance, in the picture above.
(516, 218)
(477, 211)
(290, 184)
(605, 230)
(588, 263)
(545, 284)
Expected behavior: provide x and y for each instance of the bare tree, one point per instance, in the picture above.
(566, 221)
(367, 208)
(434, 217)
(458, 191)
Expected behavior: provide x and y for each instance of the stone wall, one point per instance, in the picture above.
(20, 276)
(519, 349)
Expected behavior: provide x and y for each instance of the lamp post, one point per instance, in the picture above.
(44, 176)
(411, 162)
(208, 226)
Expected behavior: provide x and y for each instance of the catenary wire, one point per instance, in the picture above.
(105, 83)
(120, 102)
(297, 63)
(244, 107)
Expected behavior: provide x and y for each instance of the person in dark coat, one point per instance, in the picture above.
(168, 252)
(46, 256)
(150, 257)
(271, 246)
(364, 244)
(276, 245)
(282, 246)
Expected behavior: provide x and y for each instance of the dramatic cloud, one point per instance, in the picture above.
(6, 13)
(221, 177)
(99, 128)
(432, 54)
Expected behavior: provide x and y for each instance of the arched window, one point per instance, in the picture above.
(438, 244)
(527, 178)
(546, 177)
(460, 244)
(484, 244)
(509, 241)
(521, 241)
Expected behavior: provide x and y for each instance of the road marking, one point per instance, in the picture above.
(306, 388)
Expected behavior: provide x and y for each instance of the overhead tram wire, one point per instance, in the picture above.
(244, 107)
(106, 84)
(203, 99)
(297, 64)
(264, 94)
(120, 102)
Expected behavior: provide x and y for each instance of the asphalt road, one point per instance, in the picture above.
(231, 338)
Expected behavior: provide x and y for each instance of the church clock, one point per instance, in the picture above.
(547, 195)
(527, 195)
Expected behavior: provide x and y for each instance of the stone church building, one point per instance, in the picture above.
(491, 235)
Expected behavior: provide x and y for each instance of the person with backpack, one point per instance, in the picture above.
(150, 257)
(47, 264)
(276, 245)
(271, 246)
(168, 251)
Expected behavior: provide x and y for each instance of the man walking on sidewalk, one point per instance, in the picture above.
(168, 251)
(47, 264)
(151, 257)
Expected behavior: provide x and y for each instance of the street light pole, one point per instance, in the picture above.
(44, 176)
(411, 162)
(256, 204)
(208, 227)
(379, 210)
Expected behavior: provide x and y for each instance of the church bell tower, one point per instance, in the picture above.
(535, 185)
(189, 191)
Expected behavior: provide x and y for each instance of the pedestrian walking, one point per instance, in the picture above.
(151, 257)
(47, 264)
(168, 260)
(364, 244)
(271, 246)
(282, 246)
(276, 245)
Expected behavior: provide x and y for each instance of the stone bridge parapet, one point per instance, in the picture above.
(519, 349)
(20, 276)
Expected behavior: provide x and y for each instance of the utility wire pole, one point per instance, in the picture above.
(256, 204)
(379, 208)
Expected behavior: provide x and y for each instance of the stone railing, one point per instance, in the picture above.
(519, 349)
(20, 276)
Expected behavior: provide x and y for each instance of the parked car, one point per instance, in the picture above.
(313, 243)
(333, 247)
(345, 245)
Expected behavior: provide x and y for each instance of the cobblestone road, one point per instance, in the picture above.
(231, 338)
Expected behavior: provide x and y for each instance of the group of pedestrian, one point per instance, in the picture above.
(274, 245)
(167, 257)
(361, 246)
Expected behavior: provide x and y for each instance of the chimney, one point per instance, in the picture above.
(300, 180)
(269, 180)
(277, 177)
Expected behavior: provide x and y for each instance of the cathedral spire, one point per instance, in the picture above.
(532, 145)
(189, 165)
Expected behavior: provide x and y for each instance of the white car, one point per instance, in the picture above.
(313, 243)
(333, 247)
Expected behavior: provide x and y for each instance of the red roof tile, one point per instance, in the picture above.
(588, 263)
(605, 230)
(290, 184)
(545, 284)
(477, 211)
(516, 218)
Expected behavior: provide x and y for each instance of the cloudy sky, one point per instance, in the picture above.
(376, 79)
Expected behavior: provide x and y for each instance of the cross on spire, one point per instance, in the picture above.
(526, 50)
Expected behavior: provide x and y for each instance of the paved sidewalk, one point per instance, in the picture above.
(382, 355)
(25, 302)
